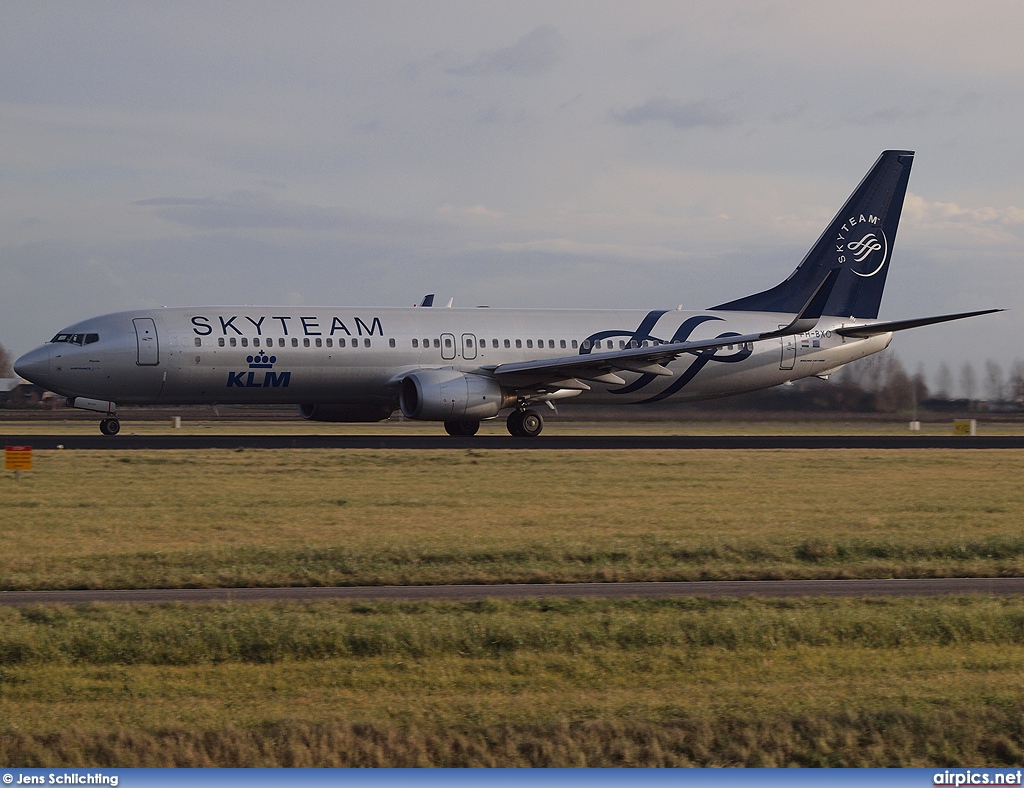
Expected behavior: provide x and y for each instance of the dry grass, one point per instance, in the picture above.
(222, 518)
(707, 682)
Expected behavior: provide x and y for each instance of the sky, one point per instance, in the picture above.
(572, 154)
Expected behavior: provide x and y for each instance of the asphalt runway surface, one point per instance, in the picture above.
(560, 442)
(1001, 586)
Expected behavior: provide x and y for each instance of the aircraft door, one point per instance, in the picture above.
(468, 346)
(448, 346)
(788, 352)
(149, 347)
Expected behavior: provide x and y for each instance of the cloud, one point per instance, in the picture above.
(568, 247)
(248, 210)
(987, 223)
(687, 115)
(478, 211)
(534, 53)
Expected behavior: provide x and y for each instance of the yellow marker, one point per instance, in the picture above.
(965, 427)
(18, 459)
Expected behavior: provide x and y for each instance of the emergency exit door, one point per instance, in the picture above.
(149, 347)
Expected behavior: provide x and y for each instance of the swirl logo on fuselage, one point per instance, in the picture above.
(643, 333)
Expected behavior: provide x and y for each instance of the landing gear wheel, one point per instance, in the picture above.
(531, 424)
(461, 429)
(525, 423)
(515, 424)
(110, 426)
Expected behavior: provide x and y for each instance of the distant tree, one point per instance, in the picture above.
(921, 392)
(944, 382)
(894, 388)
(993, 381)
(968, 381)
(1016, 384)
(6, 363)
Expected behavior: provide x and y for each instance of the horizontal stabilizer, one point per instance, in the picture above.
(873, 329)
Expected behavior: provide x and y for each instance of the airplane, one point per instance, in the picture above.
(463, 366)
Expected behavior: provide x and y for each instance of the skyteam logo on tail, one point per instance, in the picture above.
(253, 380)
(866, 247)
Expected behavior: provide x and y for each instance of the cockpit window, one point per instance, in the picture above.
(77, 339)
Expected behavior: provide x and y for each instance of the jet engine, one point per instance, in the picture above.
(450, 395)
(349, 413)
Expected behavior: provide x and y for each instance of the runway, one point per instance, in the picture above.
(552, 442)
(1001, 586)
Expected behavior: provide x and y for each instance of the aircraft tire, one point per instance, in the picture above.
(531, 423)
(515, 424)
(110, 426)
(461, 429)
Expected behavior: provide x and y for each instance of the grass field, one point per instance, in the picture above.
(673, 682)
(232, 518)
(708, 682)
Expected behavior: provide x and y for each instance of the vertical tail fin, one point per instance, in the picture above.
(859, 240)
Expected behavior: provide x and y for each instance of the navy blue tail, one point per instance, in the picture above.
(859, 240)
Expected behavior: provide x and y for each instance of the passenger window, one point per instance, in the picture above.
(519, 343)
(507, 343)
(494, 343)
(447, 342)
(426, 343)
(234, 342)
(305, 342)
(437, 343)
(341, 342)
(551, 343)
(586, 344)
(469, 342)
(415, 343)
(366, 342)
(561, 343)
(255, 341)
(220, 342)
(199, 341)
(319, 342)
(330, 343)
(574, 344)
(245, 342)
(529, 343)
(391, 342)
(295, 342)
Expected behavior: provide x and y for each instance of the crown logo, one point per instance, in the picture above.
(261, 361)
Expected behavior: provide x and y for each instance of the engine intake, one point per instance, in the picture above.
(450, 395)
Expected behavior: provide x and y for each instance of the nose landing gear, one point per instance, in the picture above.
(110, 426)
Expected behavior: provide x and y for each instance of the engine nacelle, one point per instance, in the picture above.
(349, 413)
(450, 395)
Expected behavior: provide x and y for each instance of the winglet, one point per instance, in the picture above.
(807, 318)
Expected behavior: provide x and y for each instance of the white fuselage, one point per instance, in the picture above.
(358, 355)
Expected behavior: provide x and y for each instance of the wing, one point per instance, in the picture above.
(571, 372)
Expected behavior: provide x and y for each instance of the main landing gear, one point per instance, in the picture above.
(525, 423)
(461, 429)
(110, 426)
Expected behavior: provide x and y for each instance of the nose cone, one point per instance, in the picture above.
(35, 365)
